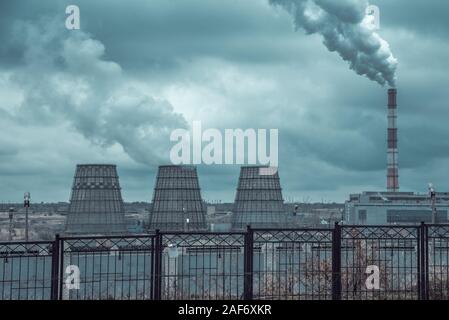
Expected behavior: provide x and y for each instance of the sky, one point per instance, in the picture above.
(113, 91)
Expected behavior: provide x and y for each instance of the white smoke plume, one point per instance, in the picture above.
(65, 78)
(348, 30)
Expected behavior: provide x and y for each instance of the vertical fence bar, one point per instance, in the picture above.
(423, 263)
(157, 276)
(55, 269)
(61, 267)
(248, 264)
(152, 278)
(336, 262)
(426, 265)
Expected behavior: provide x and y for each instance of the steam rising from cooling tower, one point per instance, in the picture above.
(348, 30)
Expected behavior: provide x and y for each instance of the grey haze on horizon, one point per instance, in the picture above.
(113, 91)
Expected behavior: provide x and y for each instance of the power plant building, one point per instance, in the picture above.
(379, 208)
(392, 206)
(177, 204)
(96, 204)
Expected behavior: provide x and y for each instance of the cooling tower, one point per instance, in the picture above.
(177, 203)
(96, 205)
(259, 201)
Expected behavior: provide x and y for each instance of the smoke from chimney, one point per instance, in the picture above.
(348, 30)
(392, 151)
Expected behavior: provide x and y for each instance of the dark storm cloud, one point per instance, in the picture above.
(426, 18)
(90, 93)
(157, 34)
(228, 63)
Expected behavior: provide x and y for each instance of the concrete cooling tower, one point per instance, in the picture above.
(259, 201)
(177, 204)
(96, 204)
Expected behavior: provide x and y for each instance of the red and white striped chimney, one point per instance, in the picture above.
(392, 152)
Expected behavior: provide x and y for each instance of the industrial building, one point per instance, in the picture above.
(376, 208)
(177, 203)
(259, 202)
(392, 206)
(96, 204)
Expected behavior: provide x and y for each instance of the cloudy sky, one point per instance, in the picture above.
(113, 92)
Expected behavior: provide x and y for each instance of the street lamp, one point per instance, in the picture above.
(295, 213)
(11, 216)
(26, 204)
(433, 194)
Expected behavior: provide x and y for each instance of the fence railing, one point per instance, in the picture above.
(346, 262)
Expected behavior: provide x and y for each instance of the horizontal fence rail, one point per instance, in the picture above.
(346, 262)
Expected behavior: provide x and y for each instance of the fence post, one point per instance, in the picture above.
(152, 263)
(55, 269)
(157, 276)
(423, 263)
(248, 264)
(336, 262)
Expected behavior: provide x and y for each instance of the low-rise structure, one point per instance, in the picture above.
(377, 208)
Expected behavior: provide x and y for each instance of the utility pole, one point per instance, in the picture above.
(433, 195)
(26, 204)
(11, 216)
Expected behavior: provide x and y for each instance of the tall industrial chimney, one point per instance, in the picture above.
(392, 152)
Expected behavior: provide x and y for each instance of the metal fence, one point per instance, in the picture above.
(204, 266)
(109, 267)
(393, 251)
(437, 262)
(292, 264)
(27, 270)
(264, 264)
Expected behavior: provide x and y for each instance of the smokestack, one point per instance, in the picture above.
(392, 152)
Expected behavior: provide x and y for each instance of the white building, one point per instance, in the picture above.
(379, 208)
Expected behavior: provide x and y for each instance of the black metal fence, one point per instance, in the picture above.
(109, 267)
(347, 262)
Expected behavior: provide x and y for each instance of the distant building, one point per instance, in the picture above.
(96, 204)
(177, 204)
(377, 208)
